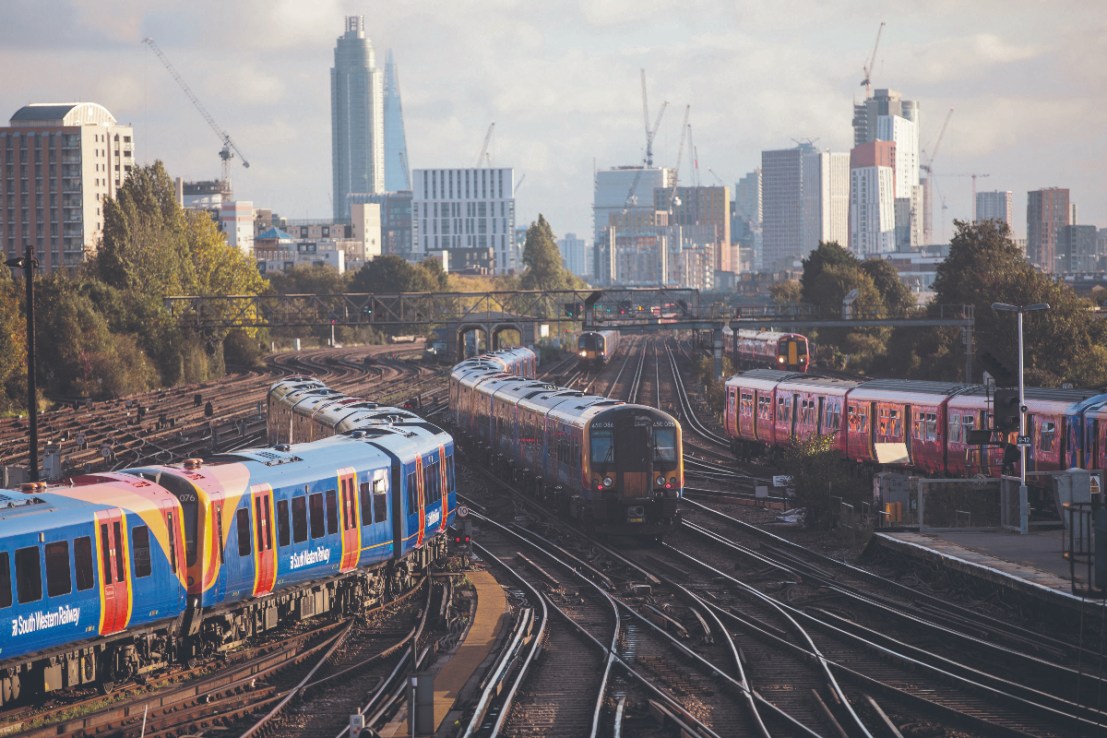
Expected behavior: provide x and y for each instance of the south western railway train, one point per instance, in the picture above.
(597, 348)
(109, 576)
(768, 349)
(615, 467)
(919, 425)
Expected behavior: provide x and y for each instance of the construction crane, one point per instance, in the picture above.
(928, 181)
(484, 148)
(680, 153)
(868, 68)
(695, 158)
(974, 176)
(650, 132)
(229, 148)
(518, 184)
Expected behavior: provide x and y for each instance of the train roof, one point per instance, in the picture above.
(817, 383)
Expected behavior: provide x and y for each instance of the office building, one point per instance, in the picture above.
(1046, 211)
(574, 254)
(397, 175)
(805, 200)
(395, 216)
(703, 217)
(58, 163)
(236, 220)
(995, 205)
(357, 118)
(1078, 249)
(466, 209)
(872, 199)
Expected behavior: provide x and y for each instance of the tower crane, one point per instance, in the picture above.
(695, 154)
(484, 147)
(680, 153)
(650, 132)
(229, 148)
(974, 176)
(929, 185)
(868, 68)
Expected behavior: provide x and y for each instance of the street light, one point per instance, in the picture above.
(28, 264)
(1024, 503)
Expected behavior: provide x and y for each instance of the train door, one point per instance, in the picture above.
(114, 571)
(634, 457)
(419, 504)
(445, 464)
(351, 531)
(265, 548)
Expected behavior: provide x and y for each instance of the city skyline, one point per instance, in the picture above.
(561, 82)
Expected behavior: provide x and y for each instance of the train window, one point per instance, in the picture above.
(140, 540)
(664, 445)
(118, 551)
(315, 507)
(82, 560)
(105, 553)
(299, 519)
(602, 449)
(283, 532)
(264, 524)
(380, 499)
(28, 574)
(58, 581)
(332, 511)
(764, 407)
(1047, 436)
(242, 522)
(366, 503)
(172, 542)
(412, 493)
(5, 580)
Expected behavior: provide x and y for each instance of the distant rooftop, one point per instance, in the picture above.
(62, 114)
(274, 233)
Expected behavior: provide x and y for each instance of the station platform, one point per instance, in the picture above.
(454, 671)
(1031, 564)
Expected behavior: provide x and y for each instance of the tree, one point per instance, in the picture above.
(392, 274)
(316, 279)
(825, 255)
(819, 476)
(13, 346)
(985, 266)
(544, 269)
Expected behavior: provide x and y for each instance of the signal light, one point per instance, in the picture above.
(1005, 409)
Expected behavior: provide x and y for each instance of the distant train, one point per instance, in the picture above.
(914, 424)
(615, 467)
(768, 350)
(597, 348)
(112, 575)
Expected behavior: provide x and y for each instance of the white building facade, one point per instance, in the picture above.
(574, 254)
(466, 209)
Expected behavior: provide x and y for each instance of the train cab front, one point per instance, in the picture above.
(636, 470)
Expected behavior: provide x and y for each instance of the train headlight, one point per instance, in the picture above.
(660, 480)
(780, 360)
(673, 481)
(584, 353)
(608, 481)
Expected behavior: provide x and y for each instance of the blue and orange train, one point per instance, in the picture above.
(109, 576)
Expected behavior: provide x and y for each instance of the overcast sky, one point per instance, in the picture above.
(560, 78)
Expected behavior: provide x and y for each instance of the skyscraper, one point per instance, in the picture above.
(59, 162)
(397, 174)
(872, 199)
(468, 212)
(995, 205)
(1046, 211)
(887, 117)
(805, 200)
(357, 118)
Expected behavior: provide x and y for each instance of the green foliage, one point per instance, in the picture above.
(544, 268)
(1063, 344)
(821, 477)
(13, 346)
(391, 274)
(786, 293)
(241, 351)
(316, 279)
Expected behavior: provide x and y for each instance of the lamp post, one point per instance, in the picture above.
(1024, 503)
(28, 264)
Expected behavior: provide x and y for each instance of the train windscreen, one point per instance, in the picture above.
(664, 446)
(591, 342)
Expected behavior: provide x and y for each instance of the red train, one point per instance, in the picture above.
(768, 349)
(912, 424)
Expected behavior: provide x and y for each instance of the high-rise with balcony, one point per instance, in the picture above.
(1046, 211)
(886, 116)
(469, 213)
(357, 119)
(58, 163)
